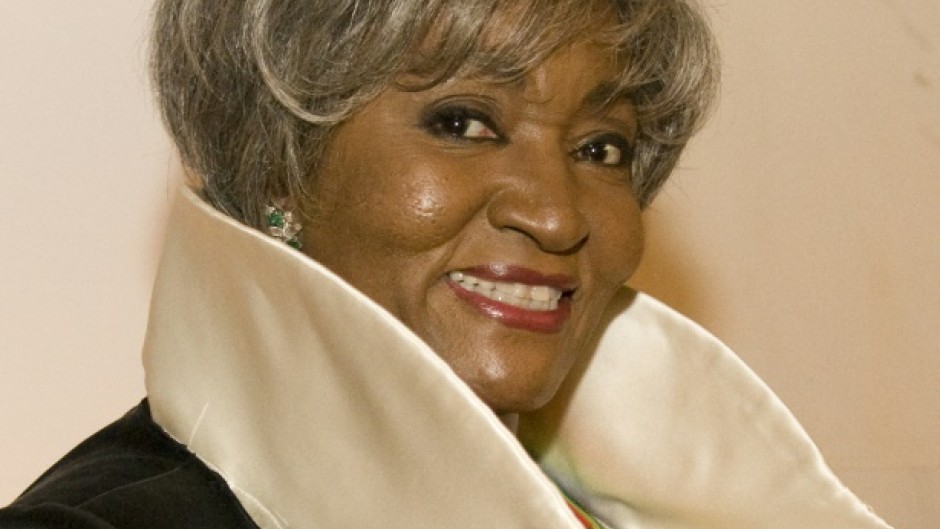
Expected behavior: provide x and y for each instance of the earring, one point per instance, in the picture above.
(281, 226)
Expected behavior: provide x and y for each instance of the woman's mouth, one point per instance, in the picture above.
(530, 297)
(516, 297)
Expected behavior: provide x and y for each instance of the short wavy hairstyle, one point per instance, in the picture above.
(252, 90)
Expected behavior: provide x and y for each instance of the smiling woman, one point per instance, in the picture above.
(505, 195)
(452, 345)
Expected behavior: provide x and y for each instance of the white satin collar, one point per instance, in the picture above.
(320, 409)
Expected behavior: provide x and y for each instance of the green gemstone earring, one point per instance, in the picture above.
(281, 226)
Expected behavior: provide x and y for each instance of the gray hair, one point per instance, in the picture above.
(252, 90)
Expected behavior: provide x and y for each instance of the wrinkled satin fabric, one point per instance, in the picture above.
(320, 409)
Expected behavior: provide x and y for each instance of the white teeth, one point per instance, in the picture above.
(540, 298)
(505, 288)
(541, 293)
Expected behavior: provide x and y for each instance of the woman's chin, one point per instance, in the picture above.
(507, 398)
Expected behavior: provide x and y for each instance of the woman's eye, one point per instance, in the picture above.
(612, 151)
(461, 123)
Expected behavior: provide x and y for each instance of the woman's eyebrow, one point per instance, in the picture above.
(603, 95)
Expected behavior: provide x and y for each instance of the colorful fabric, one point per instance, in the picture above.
(588, 521)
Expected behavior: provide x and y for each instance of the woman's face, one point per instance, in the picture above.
(495, 220)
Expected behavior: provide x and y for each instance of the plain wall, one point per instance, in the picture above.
(86, 176)
(802, 227)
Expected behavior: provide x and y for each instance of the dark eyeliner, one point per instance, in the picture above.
(445, 121)
(626, 148)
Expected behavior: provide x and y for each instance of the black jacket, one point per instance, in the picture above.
(130, 475)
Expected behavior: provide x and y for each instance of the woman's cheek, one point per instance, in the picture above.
(619, 238)
(428, 209)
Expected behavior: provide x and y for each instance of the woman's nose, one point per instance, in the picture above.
(539, 199)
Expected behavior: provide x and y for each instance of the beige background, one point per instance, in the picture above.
(803, 227)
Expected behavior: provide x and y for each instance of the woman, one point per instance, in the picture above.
(464, 182)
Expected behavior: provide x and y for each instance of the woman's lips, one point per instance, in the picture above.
(515, 296)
